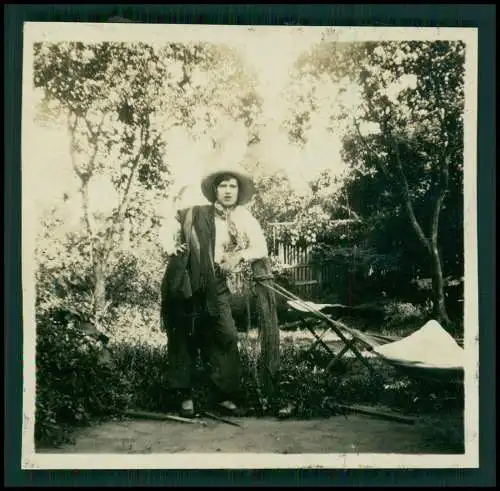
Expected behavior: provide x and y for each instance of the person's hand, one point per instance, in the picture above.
(230, 261)
(179, 249)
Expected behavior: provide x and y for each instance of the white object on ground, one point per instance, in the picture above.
(429, 347)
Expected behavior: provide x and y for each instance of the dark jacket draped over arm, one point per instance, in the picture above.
(191, 275)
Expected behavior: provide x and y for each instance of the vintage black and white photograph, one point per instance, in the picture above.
(249, 247)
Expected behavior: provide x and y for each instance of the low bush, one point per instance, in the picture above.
(76, 381)
(301, 380)
(136, 277)
(135, 325)
(399, 313)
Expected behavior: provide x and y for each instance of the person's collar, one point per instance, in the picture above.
(222, 210)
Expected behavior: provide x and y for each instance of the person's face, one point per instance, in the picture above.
(227, 192)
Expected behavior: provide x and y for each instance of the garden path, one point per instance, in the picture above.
(340, 434)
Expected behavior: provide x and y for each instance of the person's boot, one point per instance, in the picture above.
(228, 408)
(186, 405)
(225, 405)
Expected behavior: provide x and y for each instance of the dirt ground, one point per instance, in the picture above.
(339, 434)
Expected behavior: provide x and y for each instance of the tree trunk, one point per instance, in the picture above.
(269, 334)
(439, 307)
(437, 278)
(430, 245)
(99, 292)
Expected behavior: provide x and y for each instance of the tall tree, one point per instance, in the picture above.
(118, 100)
(406, 129)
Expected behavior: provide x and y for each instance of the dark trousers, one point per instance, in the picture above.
(190, 330)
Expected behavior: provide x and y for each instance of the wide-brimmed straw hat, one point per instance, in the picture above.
(246, 187)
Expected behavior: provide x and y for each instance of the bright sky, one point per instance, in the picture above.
(273, 55)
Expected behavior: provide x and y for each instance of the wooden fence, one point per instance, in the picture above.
(308, 277)
(309, 281)
(292, 255)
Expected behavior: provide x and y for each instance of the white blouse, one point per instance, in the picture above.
(244, 221)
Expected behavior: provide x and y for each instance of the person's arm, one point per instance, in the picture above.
(257, 248)
(170, 234)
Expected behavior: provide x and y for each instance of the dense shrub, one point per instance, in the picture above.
(63, 280)
(75, 380)
(313, 391)
(301, 381)
(144, 366)
(136, 278)
(136, 325)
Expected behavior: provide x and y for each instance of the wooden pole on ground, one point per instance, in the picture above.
(378, 413)
(160, 417)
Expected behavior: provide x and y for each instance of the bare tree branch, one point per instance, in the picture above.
(406, 196)
(83, 176)
(94, 141)
(435, 217)
(94, 134)
(351, 212)
(71, 124)
(126, 195)
(443, 191)
(369, 150)
(393, 142)
(444, 165)
(186, 72)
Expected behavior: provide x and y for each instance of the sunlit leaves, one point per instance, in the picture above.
(412, 90)
(407, 125)
(118, 101)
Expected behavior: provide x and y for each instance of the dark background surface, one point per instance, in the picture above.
(480, 16)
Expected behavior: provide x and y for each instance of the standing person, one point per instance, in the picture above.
(212, 241)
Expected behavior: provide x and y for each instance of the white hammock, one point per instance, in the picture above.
(430, 347)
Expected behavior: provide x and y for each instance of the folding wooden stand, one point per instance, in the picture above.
(349, 344)
(335, 326)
